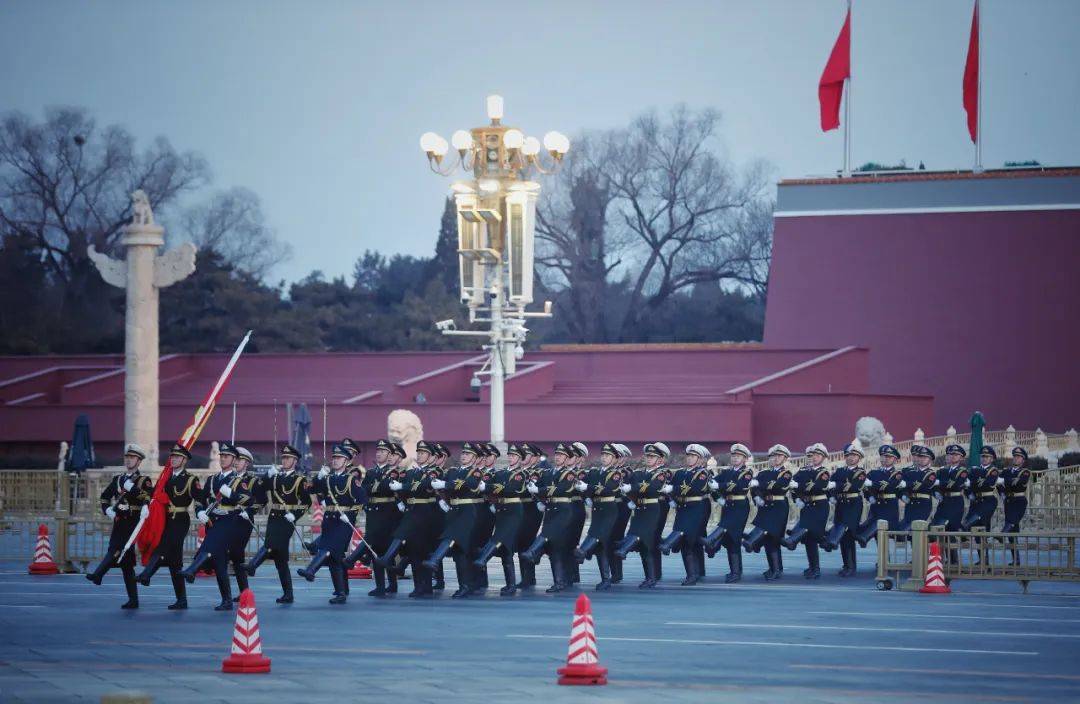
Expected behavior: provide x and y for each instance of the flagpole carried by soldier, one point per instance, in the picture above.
(181, 490)
(124, 500)
(288, 495)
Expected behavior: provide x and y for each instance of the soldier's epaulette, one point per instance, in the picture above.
(516, 476)
(784, 474)
(963, 474)
(475, 472)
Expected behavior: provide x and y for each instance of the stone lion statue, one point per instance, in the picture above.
(403, 426)
(870, 432)
(140, 203)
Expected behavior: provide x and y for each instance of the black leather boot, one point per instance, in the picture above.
(794, 537)
(224, 588)
(180, 589)
(629, 544)
(605, 570)
(320, 559)
(813, 560)
(734, 557)
(99, 572)
(560, 579)
(464, 576)
(714, 540)
(528, 573)
(753, 541)
(866, 532)
(836, 534)
(436, 558)
(616, 567)
(851, 559)
(132, 589)
(386, 559)
(338, 578)
(257, 559)
(970, 519)
(379, 573)
(672, 542)
(533, 552)
(486, 553)
(649, 564)
(845, 571)
(148, 571)
(241, 579)
(440, 579)
(689, 561)
(771, 573)
(586, 549)
(197, 564)
(285, 577)
(508, 574)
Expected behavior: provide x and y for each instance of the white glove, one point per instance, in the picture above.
(532, 488)
(906, 499)
(144, 512)
(491, 507)
(902, 484)
(110, 512)
(713, 485)
(937, 482)
(290, 517)
(203, 518)
(753, 483)
(580, 485)
(444, 506)
(759, 501)
(624, 488)
(872, 501)
(272, 472)
(967, 483)
(226, 490)
(588, 503)
(395, 486)
(541, 505)
(401, 506)
(438, 484)
(324, 472)
(800, 503)
(672, 504)
(666, 489)
(631, 505)
(344, 519)
(1000, 482)
(832, 500)
(128, 485)
(481, 486)
(830, 486)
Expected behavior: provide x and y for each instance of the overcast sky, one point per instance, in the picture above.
(318, 106)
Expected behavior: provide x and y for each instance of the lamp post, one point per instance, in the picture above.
(496, 211)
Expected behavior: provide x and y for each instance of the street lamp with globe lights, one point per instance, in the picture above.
(496, 211)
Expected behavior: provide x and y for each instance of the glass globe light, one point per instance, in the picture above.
(441, 147)
(531, 147)
(513, 139)
(428, 141)
(494, 107)
(462, 140)
(552, 141)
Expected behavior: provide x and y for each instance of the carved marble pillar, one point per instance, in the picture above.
(143, 274)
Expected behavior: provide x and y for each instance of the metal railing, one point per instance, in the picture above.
(1025, 557)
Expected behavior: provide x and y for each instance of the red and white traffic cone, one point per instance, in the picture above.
(935, 574)
(316, 519)
(247, 655)
(358, 571)
(582, 661)
(198, 544)
(43, 559)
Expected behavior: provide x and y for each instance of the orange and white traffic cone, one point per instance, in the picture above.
(43, 559)
(358, 571)
(317, 518)
(935, 574)
(582, 661)
(247, 655)
(198, 544)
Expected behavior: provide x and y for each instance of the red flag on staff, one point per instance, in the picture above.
(151, 529)
(971, 77)
(831, 85)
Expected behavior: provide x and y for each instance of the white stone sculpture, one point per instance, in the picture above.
(870, 431)
(404, 427)
(143, 273)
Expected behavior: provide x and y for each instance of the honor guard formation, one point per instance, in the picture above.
(529, 509)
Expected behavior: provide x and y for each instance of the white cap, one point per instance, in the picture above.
(657, 448)
(133, 448)
(855, 447)
(699, 450)
(582, 448)
(779, 450)
(818, 447)
(244, 454)
(740, 449)
(624, 451)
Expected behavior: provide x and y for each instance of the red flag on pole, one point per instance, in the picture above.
(971, 78)
(837, 70)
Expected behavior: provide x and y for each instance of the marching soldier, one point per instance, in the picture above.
(125, 500)
(288, 496)
(953, 480)
(921, 479)
(223, 498)
(883, 486)
(622, 520)
(460, 498)
(732, 487)
(646, 489)
(693, 507)
(381, 484)
(342, 494)
(531, 515)
(555, 540)
(1016, 478)
(605, 497)
(181, 490)
(485, 515)
(770, 488)
(419, 527)
(847, 515)
(507, 494)
(985, 481)
(245, 466)
(812, 485)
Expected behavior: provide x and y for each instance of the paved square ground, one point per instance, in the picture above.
(831, 640)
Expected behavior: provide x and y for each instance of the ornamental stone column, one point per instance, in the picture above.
(142, 274)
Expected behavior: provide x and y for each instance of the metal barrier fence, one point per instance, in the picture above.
(1030, 556)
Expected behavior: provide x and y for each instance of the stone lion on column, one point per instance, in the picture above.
(404, 427)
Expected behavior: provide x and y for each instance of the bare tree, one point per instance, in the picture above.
(660, 206)
(232, 225)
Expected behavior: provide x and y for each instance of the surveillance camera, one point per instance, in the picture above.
(475, 383)
(519, 352)
(494, 294)
(445, 325)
